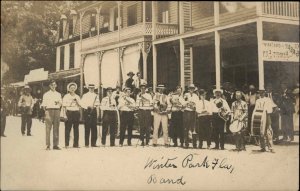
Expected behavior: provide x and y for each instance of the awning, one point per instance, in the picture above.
(36, 75)
(91, 70)
(110, 69)
(17, 84)
(131, 60)
(64, 74)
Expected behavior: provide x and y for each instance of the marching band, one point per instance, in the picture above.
(192, 117)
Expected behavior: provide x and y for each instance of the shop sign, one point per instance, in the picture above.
(280, 51)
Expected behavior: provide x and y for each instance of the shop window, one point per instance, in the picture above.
(132, 15)
(72, 55)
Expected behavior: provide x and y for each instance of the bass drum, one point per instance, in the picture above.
(258, 123)
(236, 126)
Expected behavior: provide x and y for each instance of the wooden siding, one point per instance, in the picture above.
(125, 6)
(240, 15)
(173, 12)
(202, 14)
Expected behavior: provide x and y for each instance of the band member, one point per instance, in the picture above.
(286, 110)
(109, 120)
(265, 104)
(71, 103)
(145, 104)
(177, 102)
(137, 82)
(90, 103)
(4, 112)
(220, 112)
(52, 102)
(239, 110)
(126, 107)
(275, 112)
(251, 98)
(189, 115)
(25, 104)
(117, 94)
(204, 112)
(129, 81)
(160, 115)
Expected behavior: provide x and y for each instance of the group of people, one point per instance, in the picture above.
(191, 116)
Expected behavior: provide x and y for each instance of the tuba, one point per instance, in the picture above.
(223, 113)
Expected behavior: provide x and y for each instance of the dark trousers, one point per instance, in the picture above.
(250, 112)
(109, 121)
(3, 123)
(239, 140)
(287, 125)
(177, 126)
(204, 130)
(275, 124)
(145, 120)
(73, 121)
(90, 127)
(126, 118)
(218, 130)
(26, 122)
(189, 121)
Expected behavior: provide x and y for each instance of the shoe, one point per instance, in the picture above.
(222, 148)
(112, 145)
(66, 147)
(56, 148)
(216, 148)
(154, 145)
(208, 147)
(121, 145)
(129, 144)
(186, 147)
(23, 134)
(200, 147)
(262, 150)
(76, 147)
(86, 146)
(143, 144)
(181, 145)
(95, 146)
(175, 145)
(29, 134)
(272, 151)
(166, 145)
(48, 148)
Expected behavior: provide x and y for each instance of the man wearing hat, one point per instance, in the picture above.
(52, 102)
(176, 104)
(145, 104)
(90, 103)
(265, 104)
(189, 114)
(220, 110)
(137, 83)
(109, 119)
(204, 112)
(129, 81)
(160, 115)
(26, 103)
(71, 104)
(126, 106)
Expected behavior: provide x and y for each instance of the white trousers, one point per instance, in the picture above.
(158, 118)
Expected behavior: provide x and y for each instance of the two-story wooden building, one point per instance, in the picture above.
(179, 42)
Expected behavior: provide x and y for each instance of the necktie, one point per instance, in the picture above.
(203, 107)
(109, 101)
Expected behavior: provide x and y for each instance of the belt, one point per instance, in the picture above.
(52, 109)
(73, 110)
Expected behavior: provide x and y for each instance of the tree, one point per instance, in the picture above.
(28, 30)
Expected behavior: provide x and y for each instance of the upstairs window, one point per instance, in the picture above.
(72, 55)
(148, 11)
(132, 15)
(70, 26)
(62, 58)
(61, 29)
(93, 21)
(163, 12)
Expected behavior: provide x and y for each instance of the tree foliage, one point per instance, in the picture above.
(28, 31)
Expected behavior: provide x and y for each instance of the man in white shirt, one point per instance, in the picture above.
(177, 102)
(160, 115)
(145, 104)
(203, 109)
(109, 119)
(189, 115)
(26, 103)
(52, 102)
(126, 106)
(90, 103)
(71, 103)
(220, 110)
(266, 134)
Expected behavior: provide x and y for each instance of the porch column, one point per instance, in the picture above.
(259, 28)
(181, 44)
(154, 67)
(83, 56)
(144, 13)
(99, 56)
(181, 18)
(145, 51)
(154, 20)
(216, 13)
(217, 59)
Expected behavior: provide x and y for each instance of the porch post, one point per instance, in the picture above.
(217, 59)
(261, 80)
(145, 50)
(154, 67)
(83, 56)
(181, 43)
(153, 20)
(181, 18)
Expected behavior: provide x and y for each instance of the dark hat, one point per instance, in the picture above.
(109, 88)
(261, 90)
(143, 84)
(202, 92)
(127, 88)
(91, 86)
(130, 73)
(192, 86)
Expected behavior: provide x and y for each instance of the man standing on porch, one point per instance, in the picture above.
(189, 115)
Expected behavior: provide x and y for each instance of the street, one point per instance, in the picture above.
(27, 165)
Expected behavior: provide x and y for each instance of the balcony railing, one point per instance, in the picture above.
(135, 31)
(281, 9)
